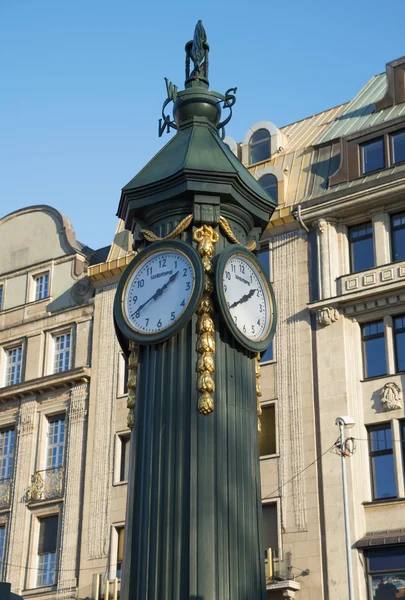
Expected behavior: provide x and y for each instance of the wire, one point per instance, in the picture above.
(299, 473)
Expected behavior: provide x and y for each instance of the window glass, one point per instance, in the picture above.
(125, 386)
(13, 370)
(361, 247)
(386, 572)
(124, 466)
(398, 147)
(61, 353)
(399, 337)
(267, 355)
(41, 286)
(56, 442)
(48, 531)
(374, 349)
(7, 441)
(1, 297)
(259, 146)
(270, 527)
(398, 236)
(373, 155)
(2, 539)
(270, 183)
(267, 437)
(382, 462)
(120, 550)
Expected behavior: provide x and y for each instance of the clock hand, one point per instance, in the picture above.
(158, 292)
(244, 298)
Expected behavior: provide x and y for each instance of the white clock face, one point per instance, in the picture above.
(247, 297)
(158, 291)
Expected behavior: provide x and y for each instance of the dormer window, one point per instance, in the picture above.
(270, 183)
(259, 146)
(373, 155)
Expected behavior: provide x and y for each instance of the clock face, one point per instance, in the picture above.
(158, 291)
(247, 297)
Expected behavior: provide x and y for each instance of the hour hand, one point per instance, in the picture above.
(160, 291)
(244, 298)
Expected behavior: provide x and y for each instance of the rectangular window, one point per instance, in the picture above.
(373, 339)
(361, 247)
(267, 355)
(125, 386)
(2, 540)
(398, 147)
(42, 286)
(48, 532)
(13, 365)
(61, 357)
(386, 572)
(264, 258)
(372, 153)
(270, 528)
(1, 297)
(124, 462)
(120, 551)
(398, 236)
(55, 442)
(382, 462)
(267, 437)
(7, 442)
(399, 340)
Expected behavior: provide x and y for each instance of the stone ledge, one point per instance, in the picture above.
(288, 588)
(37, 386)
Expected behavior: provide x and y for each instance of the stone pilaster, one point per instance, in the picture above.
(72, 508)
(18, 525)
(287, 348)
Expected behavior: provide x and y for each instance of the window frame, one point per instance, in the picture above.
(364, 339)
(125, 434)
(40, 517)
(391, 147)
(36, 277)
(2, 290)
(352, 241)
(50, 418)
(10, 457)
(114, 541)
(265, 405)
(394, 336)
(3, 527)
(392, 237)
(258, 143)
(379, 572)
(276, 501)
(373, 453)
(55, 335)
(363, 145)
(275, 185)
(9, 348)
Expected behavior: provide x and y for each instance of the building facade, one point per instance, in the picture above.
(335, 252)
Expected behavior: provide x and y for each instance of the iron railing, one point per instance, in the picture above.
(46, 485)
(5, 492)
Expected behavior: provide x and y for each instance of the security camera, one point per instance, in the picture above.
(346, 421)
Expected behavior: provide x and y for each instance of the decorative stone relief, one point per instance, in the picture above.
(327, 316)
(26, 418)
(320, 225)
(391, 397)
(82, 291)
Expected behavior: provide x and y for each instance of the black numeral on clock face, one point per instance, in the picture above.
(183, 302)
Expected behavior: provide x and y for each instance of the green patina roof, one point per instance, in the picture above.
(195, 147)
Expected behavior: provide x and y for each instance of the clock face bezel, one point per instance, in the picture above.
(121, 320)
(261, 344)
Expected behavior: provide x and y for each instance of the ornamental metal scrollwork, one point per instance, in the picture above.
(206, 237)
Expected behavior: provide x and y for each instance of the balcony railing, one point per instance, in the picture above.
(5, 492)
(46, 485)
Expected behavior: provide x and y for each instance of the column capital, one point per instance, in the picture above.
(320, 225)
(26, 416)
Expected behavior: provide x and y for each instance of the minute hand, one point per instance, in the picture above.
(158, 292)
(244, 298)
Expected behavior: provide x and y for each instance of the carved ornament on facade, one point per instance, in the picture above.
(82, 291)
(327, 315)
(26, 418)
(320, 225)
(391, 397)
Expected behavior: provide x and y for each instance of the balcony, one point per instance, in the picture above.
(391, 274)
(280, 576)
(5, 492)
(46, 485)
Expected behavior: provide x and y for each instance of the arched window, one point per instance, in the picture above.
(270, 184)
(259, 146)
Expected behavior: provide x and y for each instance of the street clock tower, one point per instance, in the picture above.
(193, 311)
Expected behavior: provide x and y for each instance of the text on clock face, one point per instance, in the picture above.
(246, 298)
(159, 291)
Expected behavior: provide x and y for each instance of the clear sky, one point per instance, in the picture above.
(82, 84)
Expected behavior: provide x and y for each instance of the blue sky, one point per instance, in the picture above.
(82, 84)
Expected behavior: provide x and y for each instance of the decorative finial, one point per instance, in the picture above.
(197, 49)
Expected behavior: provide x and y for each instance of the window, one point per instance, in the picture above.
(399, 340)
(1, 297)
(361, 247)
(398, 147)
(61, 360)
(270, 527)
(267, 437)
(124, 461)
(7, 442)
(382, 462)
(373, 158)
(41, 286)
(267, 356)
(2, 540)
(270, 183)
(48, 532)
(125, 386)
(259, 146)
(120, 550)
(13, 365)
(55, 442)
(398, 236)
(386, 572)
(374, 357)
